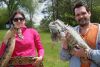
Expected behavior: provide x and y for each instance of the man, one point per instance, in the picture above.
(90, 33)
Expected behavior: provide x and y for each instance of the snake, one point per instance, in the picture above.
(9, 40)
(6, 59)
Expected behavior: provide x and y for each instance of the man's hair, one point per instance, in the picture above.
(80, 4)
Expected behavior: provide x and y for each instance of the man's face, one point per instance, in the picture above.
(82, 16)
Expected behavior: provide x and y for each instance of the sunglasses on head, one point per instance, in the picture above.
(16, 19)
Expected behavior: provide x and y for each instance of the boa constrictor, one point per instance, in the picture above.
(9, 41)
(6, 59)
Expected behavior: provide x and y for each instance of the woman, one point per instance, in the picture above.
(30, 42)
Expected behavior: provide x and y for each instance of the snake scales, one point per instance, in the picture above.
(9, 40)
(6, 59)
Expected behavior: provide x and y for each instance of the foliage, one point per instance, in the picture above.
(29, 23)
(13, 5)
(63, 10)
(44, 25)
(3, 17)
(60, 9)
(96, 14)
(29, 6)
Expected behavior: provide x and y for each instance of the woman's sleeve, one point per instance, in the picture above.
(2, 49)
(38, 44)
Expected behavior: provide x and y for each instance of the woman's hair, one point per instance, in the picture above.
(14, 14)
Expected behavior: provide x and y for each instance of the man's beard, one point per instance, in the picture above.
(84, 22)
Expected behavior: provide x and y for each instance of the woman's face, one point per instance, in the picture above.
(18, 21)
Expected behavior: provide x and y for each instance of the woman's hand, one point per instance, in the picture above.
(38, 61)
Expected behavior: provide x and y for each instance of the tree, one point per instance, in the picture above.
(28, 5)
(63, 10)
(11, 5)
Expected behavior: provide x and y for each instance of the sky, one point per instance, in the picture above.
(38, 16)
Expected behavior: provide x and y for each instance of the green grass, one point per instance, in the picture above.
(51, 57)
(2, 33)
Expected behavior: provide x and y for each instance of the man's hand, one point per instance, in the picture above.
(65, 39)
(79, 52)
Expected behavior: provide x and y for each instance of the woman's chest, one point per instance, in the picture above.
(26, 42)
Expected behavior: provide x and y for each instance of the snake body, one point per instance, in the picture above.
(9, 41)
(6, 59)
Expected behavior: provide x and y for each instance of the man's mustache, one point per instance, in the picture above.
(82, 19)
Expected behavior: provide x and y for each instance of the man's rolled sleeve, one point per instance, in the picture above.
(94, 55)
(64, 55)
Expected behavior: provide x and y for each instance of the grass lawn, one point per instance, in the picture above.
(51, 58)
